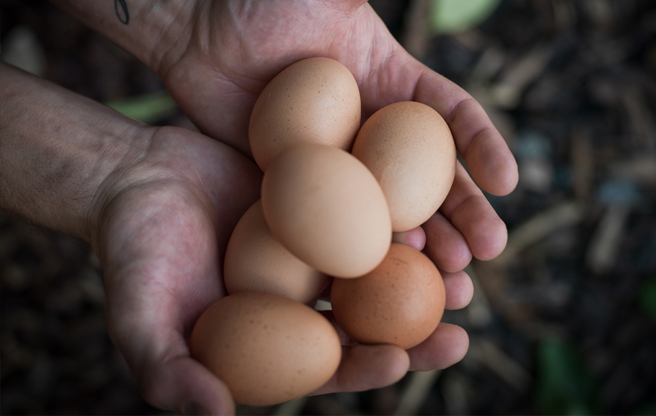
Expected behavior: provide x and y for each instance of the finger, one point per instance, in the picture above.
(181, 384)
(485, 152)
(415, 238)
(366, 367)
(445, 347)
(154, 347)
(150, 335)
(445, 245)
(458, 288)
(472, 215)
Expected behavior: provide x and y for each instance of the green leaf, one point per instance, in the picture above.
(565, 385)
(647, 297)
(453, 16)
(148, 108)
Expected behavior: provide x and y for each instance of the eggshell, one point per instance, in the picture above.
(256, 261)
(268, 349)
(327, 209)
(401, 302)
(410, 150)
(315, 100)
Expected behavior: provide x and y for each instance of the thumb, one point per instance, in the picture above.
(181, 384)
(166, 375)
(148, 331)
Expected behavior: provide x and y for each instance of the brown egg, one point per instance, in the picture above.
(315, 100)
(401, 302)
(256, 261)
(266, 348)
(327, 209)
(410, 150)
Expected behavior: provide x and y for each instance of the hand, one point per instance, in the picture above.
(237, 46)
(158, 205)
(164, 224)
(229, 51)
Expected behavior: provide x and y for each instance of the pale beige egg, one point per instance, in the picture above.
(315, 100)
(266, 348)
(410, 150)
(327, 209)
(256, 261)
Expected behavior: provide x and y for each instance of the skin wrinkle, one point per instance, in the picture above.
(230, 75)
(452, 113)
(352, 35)
(203, 186)
(463, 147)
(470, 145)
(190, 194)
(373, 77)
(348, 10)
(458, 208)
(178, 43)
(156, 268)
(94, 214)
(173, 352)
(104, 199)
(55, 162)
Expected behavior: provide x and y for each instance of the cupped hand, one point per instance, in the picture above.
(164, 225)
(236, 47)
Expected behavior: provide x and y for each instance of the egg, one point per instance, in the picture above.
(410, 150)
(315, 100)
(327, 209)
(401, 302)
(256, 261)
(266, 348)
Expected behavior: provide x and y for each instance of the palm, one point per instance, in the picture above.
(166, 270)
(164, 229)
(165, 226)
(250, 57)
(237, 46)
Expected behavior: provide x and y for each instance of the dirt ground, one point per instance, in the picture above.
(564, 321)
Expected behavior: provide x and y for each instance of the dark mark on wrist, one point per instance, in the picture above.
(122, 11)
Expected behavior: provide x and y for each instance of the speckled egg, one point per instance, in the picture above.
(266, 348)
(256, 261)
(400, 302)
(327, 209)
(410, 150)
(315, 100)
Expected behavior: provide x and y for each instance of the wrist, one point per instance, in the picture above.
(57, 149)
(156, 32)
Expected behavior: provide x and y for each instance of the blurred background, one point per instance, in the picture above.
(563, 322)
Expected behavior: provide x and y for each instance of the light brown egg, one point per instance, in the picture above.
(327, 209)
(410, 150)
(315, 100)
(401, 302)
(256, 261)
(266, 348)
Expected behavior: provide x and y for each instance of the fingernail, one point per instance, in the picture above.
(193, 408)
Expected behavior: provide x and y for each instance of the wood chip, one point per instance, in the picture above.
(565, 214)
(416, 391)
(605, 243)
